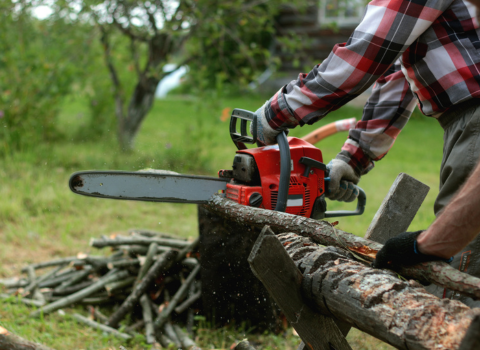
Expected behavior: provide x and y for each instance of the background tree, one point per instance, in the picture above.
(39, 62)
(231, 36)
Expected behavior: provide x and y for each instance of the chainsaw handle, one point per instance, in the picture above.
(285, 169)
(361, 203)
(240, 139)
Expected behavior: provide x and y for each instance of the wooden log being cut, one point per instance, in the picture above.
(324, 233)
(401, 313)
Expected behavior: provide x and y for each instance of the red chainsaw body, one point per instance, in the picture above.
(303, 190)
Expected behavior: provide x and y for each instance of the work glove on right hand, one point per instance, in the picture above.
(402, 251)
(266, 135)
(342, 181)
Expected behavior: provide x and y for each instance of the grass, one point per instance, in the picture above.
(40, 219)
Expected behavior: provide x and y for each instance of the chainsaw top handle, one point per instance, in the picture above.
(239, 139)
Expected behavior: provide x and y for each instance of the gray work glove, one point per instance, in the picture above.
(342, 181)
(266, 135)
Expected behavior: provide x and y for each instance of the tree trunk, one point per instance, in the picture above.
(401, 313)
(324, 233)
(140, 104)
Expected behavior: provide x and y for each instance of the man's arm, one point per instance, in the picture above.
(457, 225)
(386, 112)
(387, 30)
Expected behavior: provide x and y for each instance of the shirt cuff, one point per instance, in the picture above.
(279, 114)
(354, 156)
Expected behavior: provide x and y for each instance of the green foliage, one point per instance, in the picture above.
(235, 42)
(40, 60)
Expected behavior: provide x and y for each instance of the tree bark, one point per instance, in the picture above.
(401, 313)
(324, 233)
(9, 341)
(140, 104)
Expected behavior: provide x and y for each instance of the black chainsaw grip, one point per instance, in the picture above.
(361, 203)
(285, 169)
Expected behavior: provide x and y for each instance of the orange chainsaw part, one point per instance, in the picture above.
(329, 129)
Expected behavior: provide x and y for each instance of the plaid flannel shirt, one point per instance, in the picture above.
(422, 51)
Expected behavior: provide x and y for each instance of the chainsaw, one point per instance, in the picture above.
(288, 177)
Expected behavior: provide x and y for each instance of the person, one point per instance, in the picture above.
(424, 53)
(454, 229)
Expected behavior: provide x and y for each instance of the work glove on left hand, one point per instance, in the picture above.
(402, 251)
(342, 181)
(266, 135)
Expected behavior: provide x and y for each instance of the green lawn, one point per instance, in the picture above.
(40, 219)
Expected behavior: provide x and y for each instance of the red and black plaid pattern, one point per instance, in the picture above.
(434, 44)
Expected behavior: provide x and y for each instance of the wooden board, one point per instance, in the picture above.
(277, 271)
(398, 208)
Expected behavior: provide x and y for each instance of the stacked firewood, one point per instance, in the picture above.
(152, 277)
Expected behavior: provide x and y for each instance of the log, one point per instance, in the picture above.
(244, 345)
(78, 296)
(101, 327)
(152, 251)
(13, 282)
(273, 266)
(171, 335)
(15, 299)
(163, 317)
(74, 279)
(187, 249)
(147, 317)
(137, 240)
(187, 303)
(10, 341)
(160, 266)
(187, 343)
(56, 262)
(401, 313)
(324, 233)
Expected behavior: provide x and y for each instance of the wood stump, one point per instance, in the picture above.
(231, 294)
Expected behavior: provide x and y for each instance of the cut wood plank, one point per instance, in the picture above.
(398, 208)
(272, 265)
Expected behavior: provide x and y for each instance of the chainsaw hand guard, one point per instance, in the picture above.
(240, 139)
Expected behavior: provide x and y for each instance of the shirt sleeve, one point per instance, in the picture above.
(388, 28)
(386, 112)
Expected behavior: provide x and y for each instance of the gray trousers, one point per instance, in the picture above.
(461, 152)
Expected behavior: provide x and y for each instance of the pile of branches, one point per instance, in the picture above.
(152, 277)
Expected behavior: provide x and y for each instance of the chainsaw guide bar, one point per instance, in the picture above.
(146, 186)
